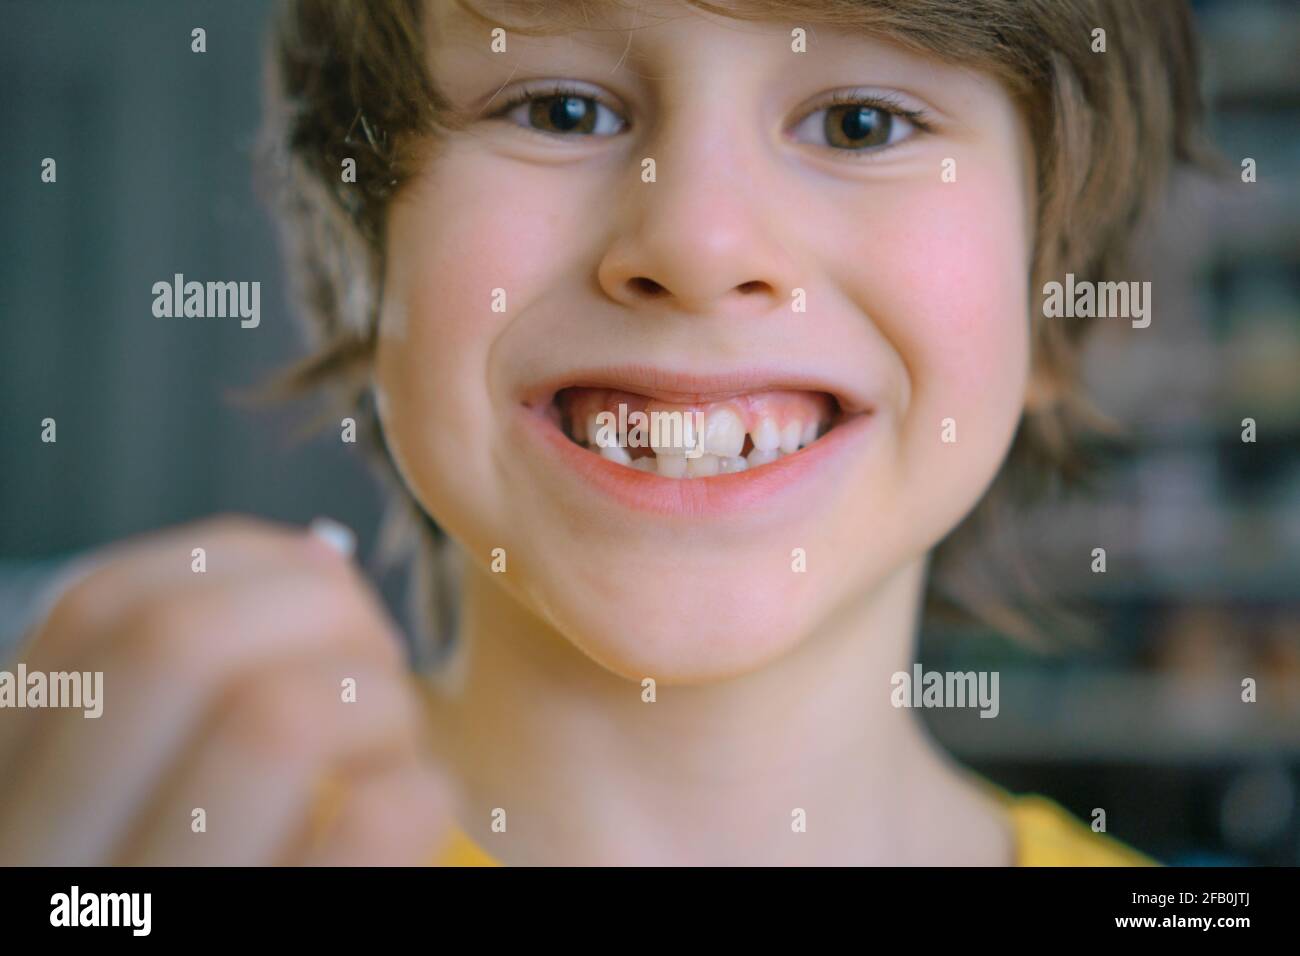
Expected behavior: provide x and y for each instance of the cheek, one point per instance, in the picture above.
(458, 244)
(449, 249)
(949, 293)
(461, 231)
(942, 282)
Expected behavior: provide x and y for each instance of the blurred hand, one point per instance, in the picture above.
(223, 691)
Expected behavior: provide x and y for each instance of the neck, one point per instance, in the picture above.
(588, 772)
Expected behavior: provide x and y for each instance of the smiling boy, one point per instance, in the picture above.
(650, 676)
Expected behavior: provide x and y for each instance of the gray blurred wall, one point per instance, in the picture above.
(153, 144)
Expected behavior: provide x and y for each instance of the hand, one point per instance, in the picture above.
(223, 691)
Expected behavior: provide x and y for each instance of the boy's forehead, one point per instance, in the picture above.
(453, 21)
(627, 34)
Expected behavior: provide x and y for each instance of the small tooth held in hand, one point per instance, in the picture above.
(336, 535)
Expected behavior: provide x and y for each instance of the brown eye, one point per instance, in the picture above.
(854, 126)
(563, 114)
(863, 127)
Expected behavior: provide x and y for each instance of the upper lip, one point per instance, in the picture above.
(687, 388)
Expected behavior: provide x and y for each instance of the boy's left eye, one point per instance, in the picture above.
(855, 127)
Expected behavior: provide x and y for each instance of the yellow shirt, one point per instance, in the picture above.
(1045, 834)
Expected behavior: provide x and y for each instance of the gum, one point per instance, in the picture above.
(780, 406)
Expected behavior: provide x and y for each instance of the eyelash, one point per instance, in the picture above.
(526, 94)
(882, 102)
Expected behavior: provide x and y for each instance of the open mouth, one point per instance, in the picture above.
(698, 440)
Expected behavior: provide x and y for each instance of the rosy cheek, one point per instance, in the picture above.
(496, 229)
(955, 307)
(450, 250)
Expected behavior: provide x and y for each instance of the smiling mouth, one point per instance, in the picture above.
(740, 433)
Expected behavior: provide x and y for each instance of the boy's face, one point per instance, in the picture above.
(795, 265)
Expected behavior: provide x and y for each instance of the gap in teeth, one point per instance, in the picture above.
(737, 434)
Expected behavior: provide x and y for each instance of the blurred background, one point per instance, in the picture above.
(1201, 530)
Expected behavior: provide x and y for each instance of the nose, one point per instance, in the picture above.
(704, 238)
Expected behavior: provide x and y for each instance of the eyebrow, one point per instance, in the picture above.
(452, 25)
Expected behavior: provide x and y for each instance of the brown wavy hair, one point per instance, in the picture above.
(349, 79)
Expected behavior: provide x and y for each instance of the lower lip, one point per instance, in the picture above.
(715, 496)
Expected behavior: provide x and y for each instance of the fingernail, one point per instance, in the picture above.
(337, 536)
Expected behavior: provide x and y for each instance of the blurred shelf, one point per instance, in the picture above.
(1222, 436)
(1120, 716)
(1249, 51)
(1138, 578)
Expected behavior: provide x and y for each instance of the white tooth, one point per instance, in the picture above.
(617, 455)
(809, 433)
(646, 463)
(728, 466)
(790, 436)
(678, 442)
(724, 433)
(637, 436)
(672, 466)
(766, 436)
(759, 457)
(591, 429)
(706, 466)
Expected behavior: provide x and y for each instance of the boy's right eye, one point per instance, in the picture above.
(561, 111)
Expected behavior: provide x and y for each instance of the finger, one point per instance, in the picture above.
(131, 573)
(156, 685)
(399, 817)
(98, 612)
(120, 577)
(255, 769)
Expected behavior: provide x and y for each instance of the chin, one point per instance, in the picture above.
(687, 626)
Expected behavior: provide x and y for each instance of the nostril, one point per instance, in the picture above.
(750, 287)
(646, 287)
